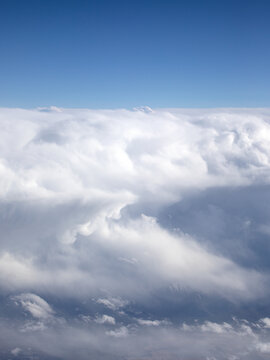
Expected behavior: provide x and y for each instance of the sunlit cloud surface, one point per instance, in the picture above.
(143, 230)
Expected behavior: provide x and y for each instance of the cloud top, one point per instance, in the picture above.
(129, 210)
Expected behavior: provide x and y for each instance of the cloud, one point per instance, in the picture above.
(198, 340)
(112, 303)
(266, 322)
(209, 326)
(105, 319)
(15, 351)
(118, 333)
(264, 347)
(123, 218)
(146, 322)
(35, 305)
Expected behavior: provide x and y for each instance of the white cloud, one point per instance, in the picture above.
(266, 322)
(35, 305)
(68, 177)
(217, 328)
(131, 341)
(82, 197)
(146, 322)
(264, 347)
(118, 333)
(33, 326)
(211, 327)
(112, 303)
(105, 319)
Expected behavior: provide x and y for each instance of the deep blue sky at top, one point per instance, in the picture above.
(100, 54)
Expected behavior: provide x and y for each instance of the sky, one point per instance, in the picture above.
(134, 180)
(124, 54)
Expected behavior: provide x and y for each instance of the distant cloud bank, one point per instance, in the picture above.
(146, 230)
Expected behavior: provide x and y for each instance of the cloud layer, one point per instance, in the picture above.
(156, 213)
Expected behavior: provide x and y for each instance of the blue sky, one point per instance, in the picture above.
(109, 54)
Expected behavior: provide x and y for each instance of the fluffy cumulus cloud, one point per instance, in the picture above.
(35, 305)
(147, 230)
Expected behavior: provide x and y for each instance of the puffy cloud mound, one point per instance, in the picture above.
(143, 209)
(35, 305)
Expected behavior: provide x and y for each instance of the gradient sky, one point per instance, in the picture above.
(104, 54)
